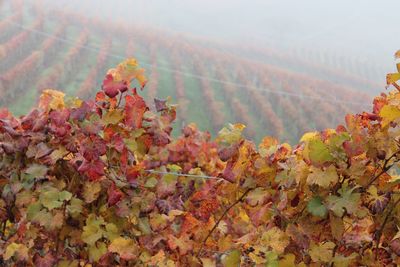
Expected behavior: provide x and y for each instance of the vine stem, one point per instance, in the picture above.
(119, 100)
(396, 86)
(380, 231)
(220, 219)
(385, 168)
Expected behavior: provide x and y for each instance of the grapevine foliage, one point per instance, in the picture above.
(103, 183)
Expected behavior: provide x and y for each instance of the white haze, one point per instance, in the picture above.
(365, 31)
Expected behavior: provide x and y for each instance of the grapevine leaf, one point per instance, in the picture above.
(231, 259)
(75, 207)
(276, 239)
(135, 108)
(51, 99)
(392, 78)
(347, 201)
(18, 250)
(125, 247)
(96, 251)
(113, 116)
(94, 169)
(231, 134)
(316, 207)
(323, 178)
(91, 191)
(184, 244)
(50, 198)
(112, 87)
(93, 230)
(322, 252)
(389, 114)
(33, 210)
(317, 152)
(35, 171)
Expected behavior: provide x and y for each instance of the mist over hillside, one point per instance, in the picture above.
(362, 32)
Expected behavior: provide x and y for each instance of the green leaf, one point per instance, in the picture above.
(316, 207)
(112, 231)
(151, 182)
(58, 154)
(64, 196)
(32, 210)
(347, 201)
(231, 259)
(36, 171)
(93, 230)
(75, 207)
(131, 144)
(96, 251)
(50, 198)
(317, 152)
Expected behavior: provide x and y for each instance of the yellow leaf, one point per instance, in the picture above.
(323, 178)
(322, 252)
(231, 134)
(389, 114)
(287, 261)
(51, 99)
(276, 239)
(125, 247)
(11, 249)
(18, 250)
(337, 227)
(208, 262)
(308, 136)
(91, 191)
(113, 116)
(392, 78)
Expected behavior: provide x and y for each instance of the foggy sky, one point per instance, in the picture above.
(366, 29)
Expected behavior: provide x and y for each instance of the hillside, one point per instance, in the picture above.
(272, 93)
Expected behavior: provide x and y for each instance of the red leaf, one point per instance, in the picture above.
(135, 107)
(93, 147)
(132, 173)
(112, 88)
(59, 117)
(93, 169)
(27, 121)
(114, 195)
(48, 260)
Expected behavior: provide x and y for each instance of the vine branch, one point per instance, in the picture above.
(220, 219)
(385, 168)
(380, 231)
